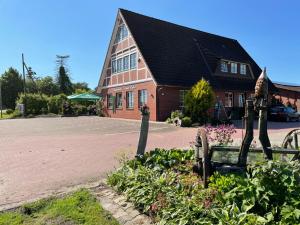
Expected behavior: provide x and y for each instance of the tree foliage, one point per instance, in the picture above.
(199, 100)
(64, 82)
(81, 85)
(12, 85)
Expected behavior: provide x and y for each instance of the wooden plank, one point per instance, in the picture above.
(256, 150)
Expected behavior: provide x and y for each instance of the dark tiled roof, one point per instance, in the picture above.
(295, 88)
(181, 56)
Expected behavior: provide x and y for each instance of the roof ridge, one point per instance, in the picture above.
(178, 25)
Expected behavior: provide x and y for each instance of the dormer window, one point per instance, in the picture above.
(122, 33)
(233, 67)
(243, 69)
(224, 67)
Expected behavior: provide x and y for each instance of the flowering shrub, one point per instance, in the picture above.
(221, 134)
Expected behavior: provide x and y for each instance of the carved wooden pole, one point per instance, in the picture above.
(144, 131)
(261, 103)
(249, 117)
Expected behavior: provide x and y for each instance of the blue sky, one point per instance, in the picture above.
(269, 30)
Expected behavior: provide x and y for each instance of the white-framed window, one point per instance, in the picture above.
(129, 99)
(110, 101)
(133, 60)
(143, 97)
(228, 99)
(233, 67)
(224, 67)
(119, 100)
(241, 100)
(243, 69)
(126, 63)
(182, 94)
(122, 33)
(123, 62)
(113, 66)
(119, 65)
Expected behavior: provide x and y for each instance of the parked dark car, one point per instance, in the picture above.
(282, 113)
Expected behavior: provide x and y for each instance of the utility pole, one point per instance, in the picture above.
(24, 84)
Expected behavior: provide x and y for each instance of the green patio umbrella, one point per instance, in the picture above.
(84, 97)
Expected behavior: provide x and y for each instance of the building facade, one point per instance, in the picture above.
(288, 95)
(153, 62)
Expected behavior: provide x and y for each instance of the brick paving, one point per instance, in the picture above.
(40, 156)
(119, 207)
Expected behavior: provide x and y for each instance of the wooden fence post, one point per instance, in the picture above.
(249, 117)
(144, 131)
(263, 130)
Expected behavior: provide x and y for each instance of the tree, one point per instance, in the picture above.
(12, 85)
(63, 81)
(199, 100)
(81, 85)
(47, 86)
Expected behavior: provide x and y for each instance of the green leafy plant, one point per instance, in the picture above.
(199, 100)
(186, 121)
(161, 183)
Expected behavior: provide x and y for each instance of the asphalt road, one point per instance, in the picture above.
(42, 155)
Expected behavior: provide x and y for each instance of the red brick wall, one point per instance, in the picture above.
(131, 113)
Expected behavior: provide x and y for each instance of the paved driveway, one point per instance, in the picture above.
(40, 155)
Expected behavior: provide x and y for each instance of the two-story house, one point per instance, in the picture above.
(154, 62)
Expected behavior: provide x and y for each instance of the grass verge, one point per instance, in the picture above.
(77, 208)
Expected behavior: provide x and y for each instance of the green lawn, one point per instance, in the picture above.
(78, 208)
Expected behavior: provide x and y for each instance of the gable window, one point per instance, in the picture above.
(243, 69)
(126, 63)
(228, 99)
(133, 61)
(119, 100)
(129, 100)
(224, 67)
(182, 94)
(119, 65)
(143, 97)
(233, 67)
(122, 33)
(110, 101)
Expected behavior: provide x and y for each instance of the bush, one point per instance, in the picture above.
(186, 122)
(199, 100)
(9, 111)
(80, 109)
(35, 104)
(16, 114)
(174, 116)
(55, 103)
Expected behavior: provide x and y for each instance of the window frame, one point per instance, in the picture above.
(142, 98)
(235, 66)
(135, 61)
(128, 105)
(109, 100)
(223, 68)
(128, 62)
(244, 70)
(229, 96)
(182, 94)
(119, 100)
(242, 99)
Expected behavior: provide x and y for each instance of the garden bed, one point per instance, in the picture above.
(162, 184)
(80, 207)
